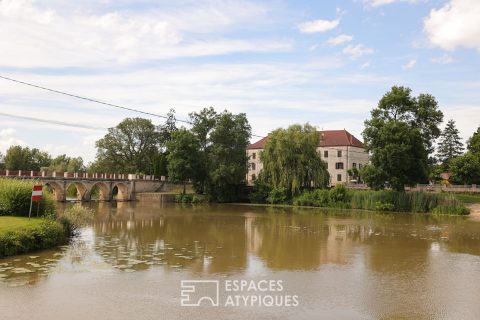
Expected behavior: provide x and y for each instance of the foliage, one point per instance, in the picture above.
(44, 235)
(63, 163)
(291, 161)
(226, 158)
(260, 192)
(450, 144)
(75, 218)
(473, 144)
(24, 158)
(465, 169)
(277, 196)
(399, 137)
(182, 157)
(15, 198)
(130, 147)
(339, 193)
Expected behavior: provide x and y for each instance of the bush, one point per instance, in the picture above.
(277, 196)
(260, 192)
(75, 218)
(15, 199)
(339, 194)
(451, 210)
(46, 235)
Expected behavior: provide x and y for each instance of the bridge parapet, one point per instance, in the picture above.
(78, 175)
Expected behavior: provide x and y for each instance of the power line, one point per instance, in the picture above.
(99, 101)
(61, 123)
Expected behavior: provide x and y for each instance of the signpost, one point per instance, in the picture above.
(37, 197)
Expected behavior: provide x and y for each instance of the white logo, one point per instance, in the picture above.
(194, 292)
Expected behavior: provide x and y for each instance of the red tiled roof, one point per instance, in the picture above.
(328, 138)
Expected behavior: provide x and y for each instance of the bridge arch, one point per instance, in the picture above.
(121, 191)
(82, 190)
(57, 190)
(104, 191)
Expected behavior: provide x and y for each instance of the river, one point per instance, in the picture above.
(255, 263)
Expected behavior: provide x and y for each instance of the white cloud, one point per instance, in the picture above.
(339, 39)
(8, 139)
(78, 37)
(410, 64)
(365, 65)
(357, 51)
(318, 26)
(445, 59)
(455, 24)
(378, 3)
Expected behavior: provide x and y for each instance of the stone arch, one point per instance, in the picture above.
(122, 193)
(105, 191)
(82, 190)
(58, 190)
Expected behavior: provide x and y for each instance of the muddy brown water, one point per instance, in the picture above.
(131, 262)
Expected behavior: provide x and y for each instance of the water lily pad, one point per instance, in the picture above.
(21, 270)
(34, 257)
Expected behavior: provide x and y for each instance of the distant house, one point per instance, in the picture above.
(338, 148)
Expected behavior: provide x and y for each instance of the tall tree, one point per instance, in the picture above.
(130, 147)
(24, 158)
(399, 137)
(450, 144)
(291, 161)
(183, 159)
(226, 156)
(473, 144)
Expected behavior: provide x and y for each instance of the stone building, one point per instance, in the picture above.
(338, 148)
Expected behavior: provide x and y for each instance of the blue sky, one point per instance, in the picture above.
(281, 62)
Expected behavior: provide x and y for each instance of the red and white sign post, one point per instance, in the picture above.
(37, 197)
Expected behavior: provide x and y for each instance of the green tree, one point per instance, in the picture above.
(450, 144)
(473, 144)
(465, 169)
(226, 156)
(291, 161)
(182, 158)
(203, 123)
(2, 162)
(399, 137)
(63, 163)
(24, 158)
(130, 147)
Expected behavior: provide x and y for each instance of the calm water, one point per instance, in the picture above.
(130, 263)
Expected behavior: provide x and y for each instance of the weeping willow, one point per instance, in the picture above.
(291, 161)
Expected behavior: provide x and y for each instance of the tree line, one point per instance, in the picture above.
(400, 136)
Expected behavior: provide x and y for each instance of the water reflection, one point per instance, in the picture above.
(128, 237)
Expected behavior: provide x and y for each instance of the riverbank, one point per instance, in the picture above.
(21, 235)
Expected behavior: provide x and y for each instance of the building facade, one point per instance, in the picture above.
(338, 148)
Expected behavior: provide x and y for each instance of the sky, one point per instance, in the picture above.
(280, 62)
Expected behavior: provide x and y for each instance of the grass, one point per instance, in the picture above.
(8, 223)
(468, 198)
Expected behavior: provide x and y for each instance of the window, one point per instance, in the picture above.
(359, 166)
(354, 165)
(254, 155)
(326, 165)
(254, 176)
(253, 166)
(325, 154)
(339, 153)
(339, 165)
(339, 177)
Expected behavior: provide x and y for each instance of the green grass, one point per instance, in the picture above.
(468, 198)
(8, 223)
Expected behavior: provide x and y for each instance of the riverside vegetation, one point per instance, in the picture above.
(18, 234)
(382, 200)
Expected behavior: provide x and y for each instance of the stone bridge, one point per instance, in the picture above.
(111, 186)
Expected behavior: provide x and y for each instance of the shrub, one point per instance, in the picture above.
(339, 193)
(46, 235)
(451, 210)
(199, 198)
(260, 192)
(75, 218)
(277, 196)
(15, 199)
